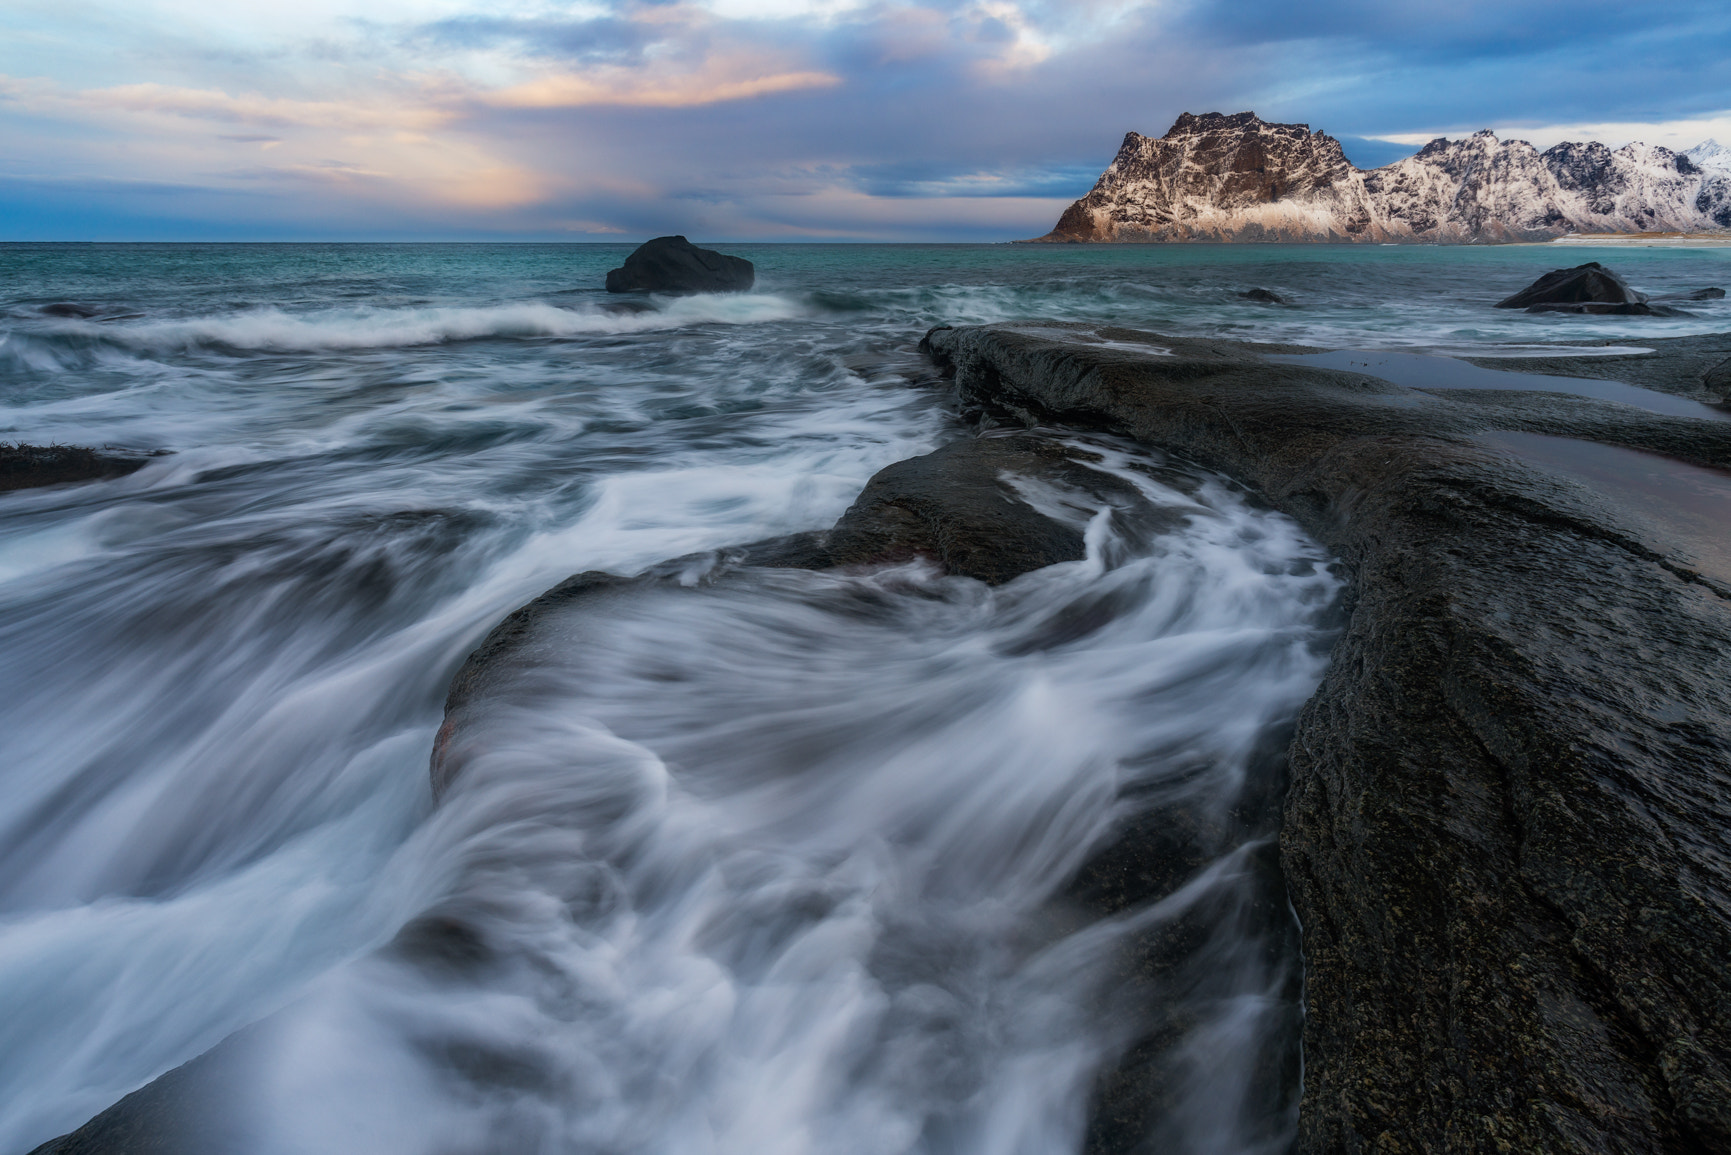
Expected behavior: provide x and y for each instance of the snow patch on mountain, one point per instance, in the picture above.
(1239, 178)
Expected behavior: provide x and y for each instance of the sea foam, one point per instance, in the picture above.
(377, 328)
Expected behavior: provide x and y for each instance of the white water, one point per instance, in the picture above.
(783, 863)
(777, 864)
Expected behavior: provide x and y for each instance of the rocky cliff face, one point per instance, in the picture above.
(1238, 178)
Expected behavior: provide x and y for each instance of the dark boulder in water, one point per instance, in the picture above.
(30, 466)
(1588, 288)
(954, 507)
(1266, 296)
(675, 265)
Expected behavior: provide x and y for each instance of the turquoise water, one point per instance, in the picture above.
(222, 673)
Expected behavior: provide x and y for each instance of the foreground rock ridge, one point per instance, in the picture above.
(1237, 177)
(1506, 829)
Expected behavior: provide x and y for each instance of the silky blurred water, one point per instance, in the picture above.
(838, 839)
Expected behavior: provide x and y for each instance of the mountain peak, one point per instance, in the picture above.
(1710, 154)
(1192, 124)
(1236, 177)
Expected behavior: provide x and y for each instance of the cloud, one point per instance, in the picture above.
(718, 80)
(1677, 135)
(740, 119)
(253, 108)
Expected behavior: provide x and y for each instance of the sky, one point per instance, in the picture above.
(762, 120)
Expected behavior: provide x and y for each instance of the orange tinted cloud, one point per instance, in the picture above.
(714, 84)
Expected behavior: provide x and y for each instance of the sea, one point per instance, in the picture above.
(777, 865)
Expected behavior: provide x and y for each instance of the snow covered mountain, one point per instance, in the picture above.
(1238, 178)
(1710, 154)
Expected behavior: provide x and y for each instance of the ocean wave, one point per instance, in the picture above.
(377, 328)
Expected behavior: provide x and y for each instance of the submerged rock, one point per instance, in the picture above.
(1263, 295)
(1504, 834)
(1697, 295)
(72, 310)
(29, 466)
(675, 265)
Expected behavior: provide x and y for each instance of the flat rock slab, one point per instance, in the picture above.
(1697, 367)
(1508, 833)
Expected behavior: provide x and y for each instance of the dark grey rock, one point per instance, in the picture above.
(1505, 833)
(1591, 283)
(29, 466)
(1717, 381)
(675, 265)
(1264, 295)
(187, 1111)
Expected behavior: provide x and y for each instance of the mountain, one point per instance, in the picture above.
(1710, 154)
(1239, 178)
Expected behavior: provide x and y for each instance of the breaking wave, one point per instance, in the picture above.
(273, 329)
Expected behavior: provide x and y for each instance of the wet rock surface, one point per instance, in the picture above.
(31, 466)
(185, 1112)
(675, 265)
(1697, 367)
(1506, 829)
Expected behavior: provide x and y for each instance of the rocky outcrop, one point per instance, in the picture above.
(1588, 288)
(1505, 830)
(30, 466)
(1591, 282)
(675, 265)
(1239, 178)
